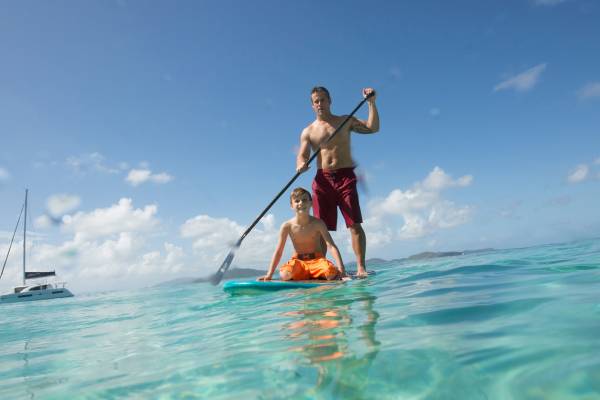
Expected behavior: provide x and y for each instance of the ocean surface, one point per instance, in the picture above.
(503, 324)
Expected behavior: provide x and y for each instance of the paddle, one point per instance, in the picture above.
(216, 278)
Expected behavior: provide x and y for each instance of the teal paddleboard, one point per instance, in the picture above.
(274, 285)
(242, 287)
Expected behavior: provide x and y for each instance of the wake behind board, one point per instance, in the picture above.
(243, 287)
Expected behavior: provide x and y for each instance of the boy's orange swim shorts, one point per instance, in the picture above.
(309, 266)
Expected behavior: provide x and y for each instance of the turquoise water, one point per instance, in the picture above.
(509, 324)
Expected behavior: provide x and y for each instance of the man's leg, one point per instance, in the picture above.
(324, 204)
(359, 245)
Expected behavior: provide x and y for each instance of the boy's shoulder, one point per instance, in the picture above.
(316, 221)
(312, 222)
(287, 224)
(313, 219)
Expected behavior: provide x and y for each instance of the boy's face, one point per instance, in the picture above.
(301, 203)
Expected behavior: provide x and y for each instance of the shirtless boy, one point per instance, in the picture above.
(307, 234)
(335, 182)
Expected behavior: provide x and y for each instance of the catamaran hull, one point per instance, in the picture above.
(46, 294)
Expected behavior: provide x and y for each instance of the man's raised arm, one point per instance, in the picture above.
(371, 125)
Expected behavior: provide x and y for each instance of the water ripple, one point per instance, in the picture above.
(518, 324)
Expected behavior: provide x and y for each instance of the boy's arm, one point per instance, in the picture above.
(283, 234)
(332, 248)
(303, 152)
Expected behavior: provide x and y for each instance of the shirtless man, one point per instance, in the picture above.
(335, 182)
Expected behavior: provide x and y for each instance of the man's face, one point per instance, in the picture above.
(320, 103)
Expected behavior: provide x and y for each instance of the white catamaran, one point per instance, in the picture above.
(38, 291)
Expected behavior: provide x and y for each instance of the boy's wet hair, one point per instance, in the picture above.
(321, 89)
(299, 192)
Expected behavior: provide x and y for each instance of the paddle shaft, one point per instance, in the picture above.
(223, 268)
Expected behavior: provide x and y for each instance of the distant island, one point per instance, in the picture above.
(232, 273)
(235, 272)
(427, 255)
(371, 261)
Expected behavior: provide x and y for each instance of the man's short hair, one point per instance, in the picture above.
(321, 89)
(299, 192)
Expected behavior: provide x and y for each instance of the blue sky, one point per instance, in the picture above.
(155, 132)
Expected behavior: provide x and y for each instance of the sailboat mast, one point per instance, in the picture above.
(25, 235)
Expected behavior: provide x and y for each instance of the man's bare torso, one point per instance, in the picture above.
(335, 154)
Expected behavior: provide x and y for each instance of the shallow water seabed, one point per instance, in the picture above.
(506, 324)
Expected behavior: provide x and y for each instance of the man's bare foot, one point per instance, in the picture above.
(361, 273)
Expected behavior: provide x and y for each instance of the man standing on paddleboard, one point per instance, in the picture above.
(335, 182)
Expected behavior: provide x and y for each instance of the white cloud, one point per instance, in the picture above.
(400, 203)
(214, 237)
(421, 207)
(579, 174)
(440, 215)
(120, 217)
(138, 176)
(110, 245)
(60, 204)
(597, 161)
(4, 175)
(106, 263)
(92, 162)
(163, 177)
(107, 246)
(379, 234)
(589, 90)
(209, 232)
(438, 180)
(523, 81)
(446, 215)
(42, 222)
(96, 162)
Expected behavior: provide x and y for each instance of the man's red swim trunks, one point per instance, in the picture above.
(332, 189)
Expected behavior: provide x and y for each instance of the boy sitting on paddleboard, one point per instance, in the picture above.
(305, 231)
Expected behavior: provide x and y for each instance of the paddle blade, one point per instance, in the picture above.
(218, 276)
